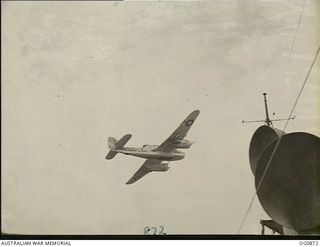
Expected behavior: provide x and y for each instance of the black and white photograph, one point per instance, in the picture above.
(163, 118)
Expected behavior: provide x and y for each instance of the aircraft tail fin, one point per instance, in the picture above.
(112, 142)
(114, 145)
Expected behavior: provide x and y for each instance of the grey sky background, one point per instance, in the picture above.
(75, 73)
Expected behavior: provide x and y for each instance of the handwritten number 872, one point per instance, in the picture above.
(154, 230)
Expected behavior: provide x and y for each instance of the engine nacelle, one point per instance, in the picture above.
(147, 147)
(183, 143)
(162, 167)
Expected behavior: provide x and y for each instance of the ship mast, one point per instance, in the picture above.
(267, 120)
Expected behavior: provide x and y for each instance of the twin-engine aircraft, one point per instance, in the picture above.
(158, 157)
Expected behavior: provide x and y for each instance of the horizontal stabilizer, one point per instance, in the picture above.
(111, 154)
(123, 141)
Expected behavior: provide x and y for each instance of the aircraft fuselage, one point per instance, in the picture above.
(150, 154)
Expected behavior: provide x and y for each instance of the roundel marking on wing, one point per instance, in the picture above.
(189, 123)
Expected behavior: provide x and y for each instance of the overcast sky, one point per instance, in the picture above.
(75, 73)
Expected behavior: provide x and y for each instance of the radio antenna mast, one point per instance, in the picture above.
(267, 121)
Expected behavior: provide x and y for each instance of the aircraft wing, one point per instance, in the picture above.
(170, 143)
(143, 170)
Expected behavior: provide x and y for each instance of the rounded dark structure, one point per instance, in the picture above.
(289, 192)
(260, 139)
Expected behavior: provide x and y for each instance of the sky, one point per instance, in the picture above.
(75, 73)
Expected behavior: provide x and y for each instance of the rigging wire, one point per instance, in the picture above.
(290, 116)
(293, 42)
(279, 140)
